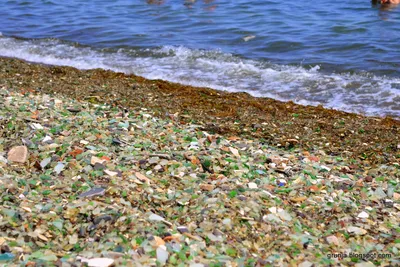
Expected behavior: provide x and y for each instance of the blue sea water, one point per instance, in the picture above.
(341, 54)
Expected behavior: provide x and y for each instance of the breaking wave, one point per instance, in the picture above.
(361, 92)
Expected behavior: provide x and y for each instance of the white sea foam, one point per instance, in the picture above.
(362, 93)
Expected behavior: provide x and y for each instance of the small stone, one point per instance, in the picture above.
(27, 142)
(234, 151)
(389, 203)
(282, 182)
(233, 138)
(47, 140)
(298, 199)
(73, 239)
(207, 187)
(215, 238)
(159, 168)
(275, 159)
(6, 256)
(162, 156)
(154, 160)
(3, 246)
(111, 173)
(227, 221)
(87, 169)
(98, 166)
(82, 232)
(379, 193)
(158, 241)
(97, 262)
(313, 188)
(155, 217)
(77, 151)
(242, 198)
(45, 162)
(91, 227)
(74, 110)
(42, 237)
(356, 230)
(396, 196)
(332, 240)
(305, 264)
(292, 141)
(51, 146)
(313, 158)
(143, 163)
(3, 160)
(162, 254)
(363, 215)
(275, 210)
(65, 133)
(18, 154)
(59, 168)
(364, 264)
(368, 179)
(95, 160)
(218, 232)
(116, 141)
(27, 209)
(252, 185)
(37, 126)
(104, 218)
(182, 229)
(84, 142)
(325, 168)
(272, 218)
(360, 183)
(93, 192)
(114, 254)
(142, 177)
(284, 215)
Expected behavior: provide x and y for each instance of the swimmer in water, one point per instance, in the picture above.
(388, 2)
(386, 5)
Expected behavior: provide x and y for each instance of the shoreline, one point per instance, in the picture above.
(288, 125)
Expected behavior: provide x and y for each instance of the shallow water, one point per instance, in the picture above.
(344, 55)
